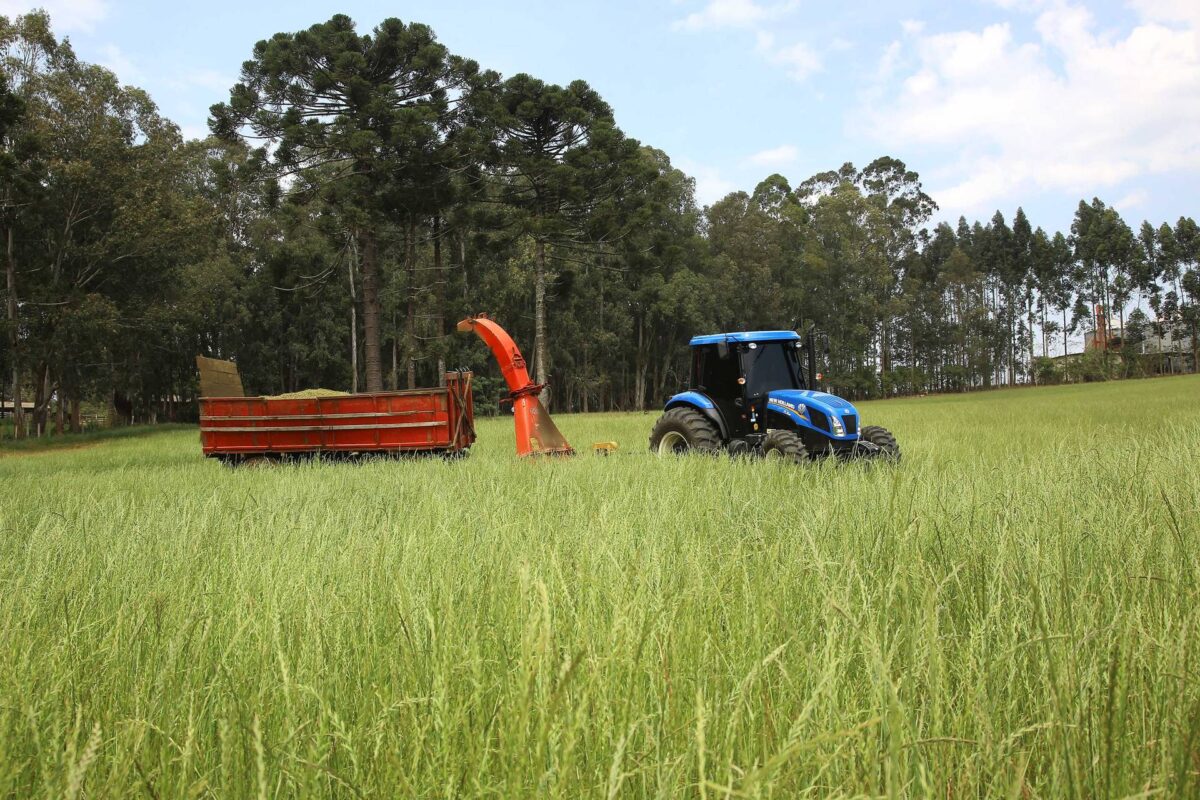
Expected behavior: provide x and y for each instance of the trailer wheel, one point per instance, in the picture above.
(682, 430)
(783, 445)
(883, 439)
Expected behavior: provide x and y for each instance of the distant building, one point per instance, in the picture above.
(1175, 351)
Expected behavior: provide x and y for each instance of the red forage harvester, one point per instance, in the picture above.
(537, 435)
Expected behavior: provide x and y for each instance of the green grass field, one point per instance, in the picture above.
(1011, 612)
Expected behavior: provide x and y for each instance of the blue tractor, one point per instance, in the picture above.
(754, 393)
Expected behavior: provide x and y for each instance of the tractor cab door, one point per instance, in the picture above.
(715, 372)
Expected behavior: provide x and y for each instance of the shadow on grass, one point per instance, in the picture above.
(73, 440)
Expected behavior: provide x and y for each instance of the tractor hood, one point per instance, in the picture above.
(814, 409)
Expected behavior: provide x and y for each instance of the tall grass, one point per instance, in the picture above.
(1011, 612)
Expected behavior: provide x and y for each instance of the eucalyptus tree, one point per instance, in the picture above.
(115, 216)
(1108, 252)
(12, 109)
(28, 51)
(896, 191)
(1187, 241)
(94, 226)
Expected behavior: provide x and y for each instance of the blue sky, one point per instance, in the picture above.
(997, 104)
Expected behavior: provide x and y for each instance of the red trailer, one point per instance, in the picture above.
(437, 420)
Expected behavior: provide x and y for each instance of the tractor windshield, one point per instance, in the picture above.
(771, 365)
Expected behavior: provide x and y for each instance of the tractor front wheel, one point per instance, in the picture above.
(682, 430)
(883, 439)
(784, 446)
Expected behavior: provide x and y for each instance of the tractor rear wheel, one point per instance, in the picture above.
(682, 430)
(883, 439)
(784, 445)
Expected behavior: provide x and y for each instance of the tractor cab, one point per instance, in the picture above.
(755, 392)
(738, 371)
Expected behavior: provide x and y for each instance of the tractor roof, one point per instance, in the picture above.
(746, 336)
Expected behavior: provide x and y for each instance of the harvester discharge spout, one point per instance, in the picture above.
(536, 432)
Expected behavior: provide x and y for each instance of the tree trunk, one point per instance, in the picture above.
(585, 403)
(410, 325)
(1012, 341)
(1029, 319)
(394, 378)
(639, 378)
(439, 281)
(76, 422)
(353, 323)
(462, 258)
(41, 399)
(539, 319)
(885, 353)
(14, 339)
(1045, 351)
(1195, 348)
(1065, 353)
(370, 285)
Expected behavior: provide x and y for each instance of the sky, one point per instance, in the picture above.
(996, 103)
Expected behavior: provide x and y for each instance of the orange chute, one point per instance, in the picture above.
(536, 432)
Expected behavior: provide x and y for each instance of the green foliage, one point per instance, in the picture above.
(1012, 611)
(1047, 371)
(1090, 366)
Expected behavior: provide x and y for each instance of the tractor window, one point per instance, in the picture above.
(715, 375)
(772, 365)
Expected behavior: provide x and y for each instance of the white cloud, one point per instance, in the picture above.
(798, 58)
(1072, 109)
(711, 186)
(1132, 200)
(67, 16)
(889, 60)
(111, 57)
(774, 157)
(205, 79)
(718, 14)
(1186, 11)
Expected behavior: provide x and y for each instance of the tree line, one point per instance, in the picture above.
(362, 191)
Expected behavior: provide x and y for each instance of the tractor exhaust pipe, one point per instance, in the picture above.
(537, 435)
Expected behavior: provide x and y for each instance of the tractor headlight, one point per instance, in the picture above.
(836, 423)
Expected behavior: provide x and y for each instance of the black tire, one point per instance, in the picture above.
(784, 445)
(883, 439)
(684, 430)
